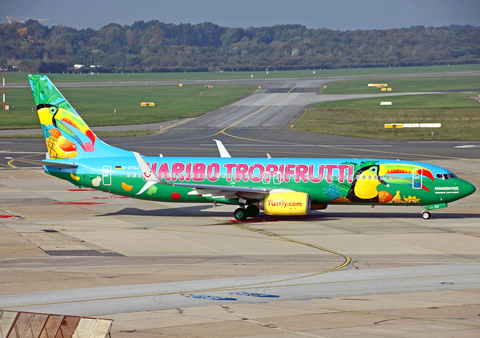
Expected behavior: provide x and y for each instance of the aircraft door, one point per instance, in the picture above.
(417, 178)
(107, 175)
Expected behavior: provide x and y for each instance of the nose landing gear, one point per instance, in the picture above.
(426, 214)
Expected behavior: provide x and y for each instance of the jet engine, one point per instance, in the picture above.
(286, 204)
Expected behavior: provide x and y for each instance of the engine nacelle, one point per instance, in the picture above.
(318, 206)
(286, 204)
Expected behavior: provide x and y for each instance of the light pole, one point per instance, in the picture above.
(3, 70)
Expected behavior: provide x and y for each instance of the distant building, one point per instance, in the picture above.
(78, 66)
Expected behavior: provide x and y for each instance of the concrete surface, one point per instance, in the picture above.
(124, 244)
(50, 247)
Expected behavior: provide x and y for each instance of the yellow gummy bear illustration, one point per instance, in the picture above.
(397, 198)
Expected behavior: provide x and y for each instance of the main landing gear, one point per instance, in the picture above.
(242, 214)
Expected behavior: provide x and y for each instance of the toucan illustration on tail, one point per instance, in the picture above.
(66, 134)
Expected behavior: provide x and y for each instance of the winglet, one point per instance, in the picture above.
(146, 187)
(222, 150)
(148, 174)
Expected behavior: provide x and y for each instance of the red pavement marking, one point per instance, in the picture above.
(80, 203)
(110, 197)
(252, 221)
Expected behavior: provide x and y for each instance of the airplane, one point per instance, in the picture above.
(290, 186)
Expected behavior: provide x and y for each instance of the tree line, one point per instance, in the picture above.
(157, 46)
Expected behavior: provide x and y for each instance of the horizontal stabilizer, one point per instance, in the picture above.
(50, 163)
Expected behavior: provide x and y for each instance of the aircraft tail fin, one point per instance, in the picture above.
(66, 134)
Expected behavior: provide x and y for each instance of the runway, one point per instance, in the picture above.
(164, 269)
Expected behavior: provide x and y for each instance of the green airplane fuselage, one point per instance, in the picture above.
(327, 181)
(291, 186)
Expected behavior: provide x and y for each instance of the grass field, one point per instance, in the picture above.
(457, 112)
(101, 134)
(97, 105)
(403, 85)
(272, 74)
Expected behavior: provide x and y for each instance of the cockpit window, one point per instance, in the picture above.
(446, 176)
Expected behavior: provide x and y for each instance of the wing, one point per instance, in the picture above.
(224, 191)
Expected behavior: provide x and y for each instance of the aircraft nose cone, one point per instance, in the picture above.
(467, 188)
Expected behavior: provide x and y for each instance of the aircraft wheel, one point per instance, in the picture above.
(240, 214)
(426, 215)
(253, 211)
